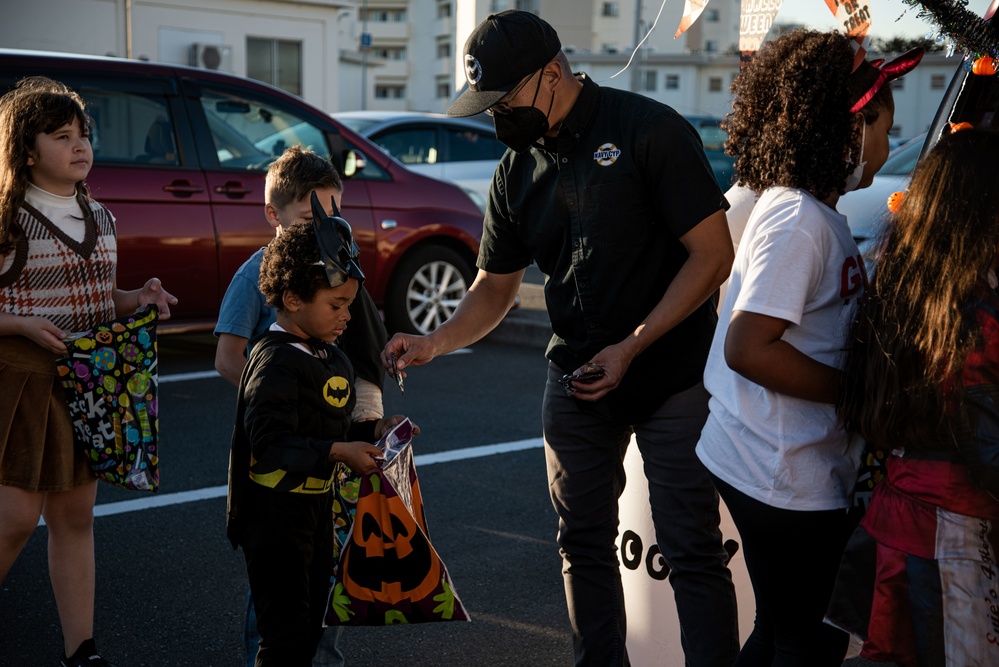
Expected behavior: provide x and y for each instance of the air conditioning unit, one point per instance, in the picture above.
(212, 56)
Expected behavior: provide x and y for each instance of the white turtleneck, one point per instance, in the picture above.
(64, 212)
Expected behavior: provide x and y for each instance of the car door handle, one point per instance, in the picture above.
(233, 189)
(182, 188)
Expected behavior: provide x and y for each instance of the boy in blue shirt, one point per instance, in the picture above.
(245, 314)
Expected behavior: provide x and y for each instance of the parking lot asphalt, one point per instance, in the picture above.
(527, 323)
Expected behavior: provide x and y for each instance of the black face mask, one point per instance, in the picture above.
(521, 127)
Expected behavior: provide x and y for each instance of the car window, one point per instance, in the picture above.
(410, 145)
(903, 160)
(131, 129)
(465, 144)
(133, 122)
(712, 136)
(250, 135)
(357, 124)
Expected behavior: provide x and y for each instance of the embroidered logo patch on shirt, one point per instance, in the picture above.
(607, 155)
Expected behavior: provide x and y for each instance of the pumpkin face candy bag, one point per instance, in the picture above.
(388, 572)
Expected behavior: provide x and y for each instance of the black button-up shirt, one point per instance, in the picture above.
(601, 209)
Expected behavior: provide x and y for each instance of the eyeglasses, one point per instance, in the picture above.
(502, 108)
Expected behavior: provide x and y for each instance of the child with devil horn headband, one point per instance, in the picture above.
(805, 128)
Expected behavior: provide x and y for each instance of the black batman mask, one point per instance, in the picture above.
(338, 252)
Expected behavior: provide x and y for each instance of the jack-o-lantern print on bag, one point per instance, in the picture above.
(388, 572)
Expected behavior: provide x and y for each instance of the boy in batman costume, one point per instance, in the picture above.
(293, 423)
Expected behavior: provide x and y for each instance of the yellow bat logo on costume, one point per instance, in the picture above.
(337, 391)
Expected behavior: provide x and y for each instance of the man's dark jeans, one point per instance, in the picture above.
(585, 456)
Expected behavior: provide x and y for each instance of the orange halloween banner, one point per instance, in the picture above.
(854, 19)
(691, 10)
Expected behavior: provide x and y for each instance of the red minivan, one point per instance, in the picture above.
(180, 156)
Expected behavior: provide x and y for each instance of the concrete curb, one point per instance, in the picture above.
(528, 324)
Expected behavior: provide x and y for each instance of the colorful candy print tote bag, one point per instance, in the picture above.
(110, 379)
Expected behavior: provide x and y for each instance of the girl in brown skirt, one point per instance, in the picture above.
(57, 275)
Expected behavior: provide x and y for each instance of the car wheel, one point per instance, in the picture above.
(426, 289)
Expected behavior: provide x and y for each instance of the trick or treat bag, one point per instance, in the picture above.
(110, 378)
(388, 573)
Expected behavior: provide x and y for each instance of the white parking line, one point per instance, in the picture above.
(183, 377)
(208, 493)
(165, 500)
(205, 375)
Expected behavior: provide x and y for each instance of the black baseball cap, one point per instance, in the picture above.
(499, 54)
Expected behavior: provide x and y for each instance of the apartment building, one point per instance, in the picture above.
(697, 84)
(693, 73)
(292, 44)
(406, 54)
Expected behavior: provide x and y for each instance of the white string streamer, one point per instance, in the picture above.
(637, 5)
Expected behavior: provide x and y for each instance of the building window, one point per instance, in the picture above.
(672, 82)
(898, 84)
(527, 6)
(712, 15)
(444, 10)
(390, 91)
(275, 61)
(711, 46)
(497, 6)
(443, 49)
(938, 82)
(714, 84)
(389, 53)
(443, 90)
(384, 15)
(649, 80)
(609, 9)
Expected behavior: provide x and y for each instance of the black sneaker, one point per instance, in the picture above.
(85, 656)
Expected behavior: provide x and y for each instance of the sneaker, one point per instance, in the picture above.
(85, 656)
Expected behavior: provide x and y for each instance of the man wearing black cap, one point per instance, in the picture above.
(611, 194)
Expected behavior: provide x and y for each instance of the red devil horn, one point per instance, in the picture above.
(889, 71)
(903, 64)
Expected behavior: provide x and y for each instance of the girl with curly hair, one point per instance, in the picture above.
(806, 127)
(922, 385)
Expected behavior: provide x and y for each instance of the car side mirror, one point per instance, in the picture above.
(353, 163)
